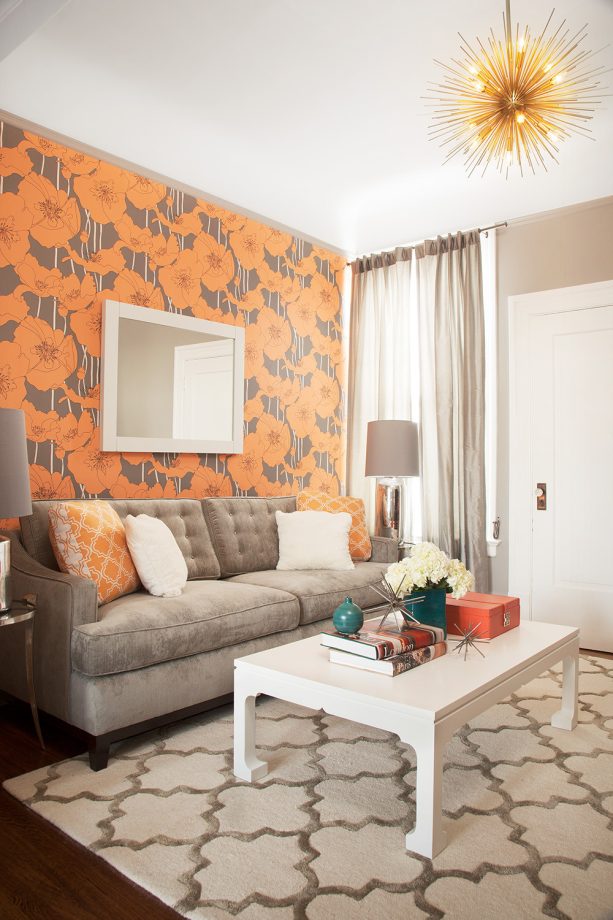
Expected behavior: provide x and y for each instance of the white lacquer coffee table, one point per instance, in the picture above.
(423, 707)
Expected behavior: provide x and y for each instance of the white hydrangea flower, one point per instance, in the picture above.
(427, 566)
(460, 580)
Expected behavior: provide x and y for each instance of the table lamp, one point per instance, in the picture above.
(15, 498)
(392, 454)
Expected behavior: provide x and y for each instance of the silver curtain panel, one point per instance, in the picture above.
(417, 351)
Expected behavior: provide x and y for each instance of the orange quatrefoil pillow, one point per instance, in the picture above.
(359, 541)
(89, 540)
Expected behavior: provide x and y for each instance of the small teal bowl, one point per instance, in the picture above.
(348, 618)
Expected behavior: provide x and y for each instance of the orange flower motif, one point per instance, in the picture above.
(183, 224)
(277, 243)
(55, 216)
(306, 266)
(143, 193)
(274, 489)
(91, 400)
(103, 193)
(326, 393)
(302, 314)
(252, 300)
(76, 294)
(206, 483)
(45, 485)
(72, 434)
(163, 251)
(305, 466)
(14, 160)
(179, 466)
(248, 244)
(181, 280)
(135, 459)
(275, 333)
(76, 163)
(246, 469)
(15, 223)
(138, 239)
(275, 437)
(132, 288)
(123, 488)
(217, 262)
(96, 471)
(13, 369)
(87, 327)
(324, 442)
(326, 298)
(306, 365)
(270, 280)
(321, 343)
(13, 308)
(44, 282)
(40, 426)
(267, 382)
(253, 408)
(100, 262)
(51, 355)
(301, 416)
(320, 481)
(254, 353)
(46, 147)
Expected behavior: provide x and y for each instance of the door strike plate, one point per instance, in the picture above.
(541, 496)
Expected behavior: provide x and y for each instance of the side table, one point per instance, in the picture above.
(24, 612)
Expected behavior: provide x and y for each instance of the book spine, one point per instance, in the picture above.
(410, 660)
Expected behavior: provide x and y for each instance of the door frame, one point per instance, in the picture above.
(522, 308)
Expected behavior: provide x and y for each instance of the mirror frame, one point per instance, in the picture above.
(112, 312)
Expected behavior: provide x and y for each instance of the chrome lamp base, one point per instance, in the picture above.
(388, 508)
(5, 575)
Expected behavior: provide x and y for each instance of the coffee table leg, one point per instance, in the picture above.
(428, 837)
(566, 716)
(246, 765)
(30, 680)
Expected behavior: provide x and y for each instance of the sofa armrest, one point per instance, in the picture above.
(384, 549)
(62, 603)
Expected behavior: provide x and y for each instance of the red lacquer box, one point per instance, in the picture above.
(493, 614)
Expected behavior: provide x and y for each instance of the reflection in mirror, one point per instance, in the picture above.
(170, 382)
(173, 383)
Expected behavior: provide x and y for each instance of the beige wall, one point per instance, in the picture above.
(563, 248)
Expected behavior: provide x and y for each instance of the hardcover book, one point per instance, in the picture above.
(375, 643)
(390, 666)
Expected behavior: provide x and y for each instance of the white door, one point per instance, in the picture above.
(561, 552)
(203, 395)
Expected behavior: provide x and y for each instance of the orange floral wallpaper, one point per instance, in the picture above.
(75, 230)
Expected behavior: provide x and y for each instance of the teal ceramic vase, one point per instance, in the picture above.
(348, 618)
(431, 610)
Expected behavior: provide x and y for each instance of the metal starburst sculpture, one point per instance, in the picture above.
(395, 604)
(512, 101)
(468, 640)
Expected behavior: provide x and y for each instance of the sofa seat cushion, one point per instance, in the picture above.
(140, 630)
(320, 591)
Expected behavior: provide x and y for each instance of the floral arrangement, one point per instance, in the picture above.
(428, 567)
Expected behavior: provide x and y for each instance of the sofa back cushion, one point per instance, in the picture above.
(183, 516)
(244, 532)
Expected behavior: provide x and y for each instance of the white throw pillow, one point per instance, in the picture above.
(156, 556)
(313, 540)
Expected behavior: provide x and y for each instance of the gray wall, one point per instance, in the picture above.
(563, 248)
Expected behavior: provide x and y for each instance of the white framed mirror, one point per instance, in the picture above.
(170, 382)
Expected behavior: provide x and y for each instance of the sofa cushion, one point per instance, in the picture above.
(140, 630)
(183, 516)
(244, 532)
(321, 591)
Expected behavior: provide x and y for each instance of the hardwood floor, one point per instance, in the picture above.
(43, 874)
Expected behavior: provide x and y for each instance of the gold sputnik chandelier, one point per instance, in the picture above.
(514, 100)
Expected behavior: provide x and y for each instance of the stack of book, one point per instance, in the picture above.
(391, 650)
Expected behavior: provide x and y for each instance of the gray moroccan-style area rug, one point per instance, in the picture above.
(529, 815)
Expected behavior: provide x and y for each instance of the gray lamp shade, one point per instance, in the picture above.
(392, 448)
(15, 497)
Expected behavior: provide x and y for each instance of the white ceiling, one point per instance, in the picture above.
(306, 113)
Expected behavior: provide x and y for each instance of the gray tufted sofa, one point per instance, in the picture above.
(141, 661)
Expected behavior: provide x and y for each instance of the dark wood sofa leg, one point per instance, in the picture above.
(99, 752)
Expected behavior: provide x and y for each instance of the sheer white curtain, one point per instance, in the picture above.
(383, 373)
(417, 352)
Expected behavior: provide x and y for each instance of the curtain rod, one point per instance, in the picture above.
(502, 223)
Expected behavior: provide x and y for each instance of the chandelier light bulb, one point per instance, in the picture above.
(497, 106)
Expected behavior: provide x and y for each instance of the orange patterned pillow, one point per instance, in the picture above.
(89, 540)
(359, 540)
